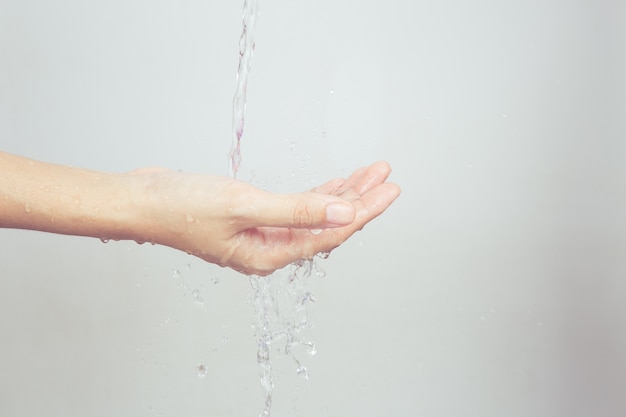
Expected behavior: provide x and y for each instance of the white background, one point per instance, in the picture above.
(494, 286)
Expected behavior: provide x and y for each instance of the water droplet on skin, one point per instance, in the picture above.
(27, 208)
(323, 255)
(202, 371)
(316, 231)
(104, 240)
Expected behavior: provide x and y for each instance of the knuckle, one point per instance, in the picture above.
(303, 215)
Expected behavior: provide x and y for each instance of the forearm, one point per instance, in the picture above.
(59, 199)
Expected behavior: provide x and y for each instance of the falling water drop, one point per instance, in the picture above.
(323, 255)
(197, 297)
(302, 372)
(319, 271)
(246, 53)
(202, 371)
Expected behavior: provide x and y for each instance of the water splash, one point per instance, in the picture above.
(281, 302)
(246, 52)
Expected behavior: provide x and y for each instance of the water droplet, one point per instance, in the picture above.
(307, 298)
(311, 349)
(316, 231)
(302, 372)
(197, 296)
(175, 273)
(215, 280)
(319, 271)
(104, 240)
(27, 208)
(202, 371)
(323, 255)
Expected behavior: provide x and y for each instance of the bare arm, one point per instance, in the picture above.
(218, 219)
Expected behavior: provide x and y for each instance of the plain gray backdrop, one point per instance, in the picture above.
(494, 286)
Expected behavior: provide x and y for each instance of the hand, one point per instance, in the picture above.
(234, 224)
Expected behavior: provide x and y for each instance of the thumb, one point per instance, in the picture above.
(304, 211)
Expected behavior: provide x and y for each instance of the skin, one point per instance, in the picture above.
(219, 219)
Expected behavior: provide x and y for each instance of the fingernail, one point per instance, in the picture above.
(338, 213)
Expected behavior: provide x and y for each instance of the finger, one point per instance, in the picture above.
(352, 180)
(375, 201)
(364, 179)
(375, 174)
(330, 187)
(302, 211)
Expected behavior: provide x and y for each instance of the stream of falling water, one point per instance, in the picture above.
(281, 299)
(246, 53)
(280, 302)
